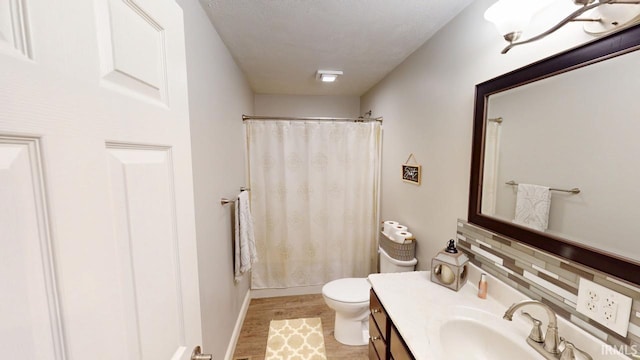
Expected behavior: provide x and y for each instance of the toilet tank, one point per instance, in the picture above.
(390, 265)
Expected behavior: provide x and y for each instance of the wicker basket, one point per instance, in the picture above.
(403, 252)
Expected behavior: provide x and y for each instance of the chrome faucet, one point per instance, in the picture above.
(547, 346)
(551, 339)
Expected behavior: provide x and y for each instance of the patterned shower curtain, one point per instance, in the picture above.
(314, 199)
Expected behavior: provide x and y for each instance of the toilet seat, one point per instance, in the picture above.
(348, 290)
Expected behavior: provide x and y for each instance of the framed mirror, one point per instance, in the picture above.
(570, 122)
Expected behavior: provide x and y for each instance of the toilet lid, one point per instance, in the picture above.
(349, 290)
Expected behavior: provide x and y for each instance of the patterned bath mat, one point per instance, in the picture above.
(295, 339)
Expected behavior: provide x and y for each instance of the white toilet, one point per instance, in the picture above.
(349, 298)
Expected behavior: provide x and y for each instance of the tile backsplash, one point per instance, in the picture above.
(547, 278)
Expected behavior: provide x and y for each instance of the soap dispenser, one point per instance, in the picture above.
(449, 267)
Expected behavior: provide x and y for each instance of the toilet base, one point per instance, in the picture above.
(349, 331)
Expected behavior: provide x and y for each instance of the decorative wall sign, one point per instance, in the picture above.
(411, 173)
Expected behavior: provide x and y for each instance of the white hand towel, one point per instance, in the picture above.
(245, 242)
(532, 206)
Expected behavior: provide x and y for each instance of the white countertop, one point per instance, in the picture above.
(417, 307)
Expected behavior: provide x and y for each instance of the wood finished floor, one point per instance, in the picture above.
(252, 342)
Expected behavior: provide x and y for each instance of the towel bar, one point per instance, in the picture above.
(573, 191)
(225, 201)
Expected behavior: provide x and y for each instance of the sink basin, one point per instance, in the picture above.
(469, 333)
(469, 339)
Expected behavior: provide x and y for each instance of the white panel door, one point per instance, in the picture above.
(97, 233)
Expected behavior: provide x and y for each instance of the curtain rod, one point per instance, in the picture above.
(251, 117)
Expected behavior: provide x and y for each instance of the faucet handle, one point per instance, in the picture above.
(536, 330)
(569, 352)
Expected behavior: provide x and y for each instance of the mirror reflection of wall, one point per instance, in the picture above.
(577, 129)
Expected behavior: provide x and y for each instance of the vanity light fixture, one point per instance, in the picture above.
(328, 75)
(512, 16)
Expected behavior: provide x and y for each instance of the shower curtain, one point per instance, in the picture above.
(314, 199)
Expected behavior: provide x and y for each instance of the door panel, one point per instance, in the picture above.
(142, 193)
(30, 326)
(14, 36)
(132, 45)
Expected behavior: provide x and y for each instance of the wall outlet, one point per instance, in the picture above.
(609, 313)
(604, 305)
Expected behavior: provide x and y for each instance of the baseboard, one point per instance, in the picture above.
(236, 330)
(299, 290)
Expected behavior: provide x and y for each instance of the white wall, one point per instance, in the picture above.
(427, 104)
(218, 96)
(307, 105)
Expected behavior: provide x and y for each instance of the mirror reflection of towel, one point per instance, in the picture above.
(532, 206)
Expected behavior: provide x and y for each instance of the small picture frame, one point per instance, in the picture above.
(412, 173)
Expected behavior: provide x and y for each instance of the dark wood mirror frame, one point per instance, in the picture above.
(601, 49)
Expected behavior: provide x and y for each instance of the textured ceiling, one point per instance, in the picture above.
(280, 44)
